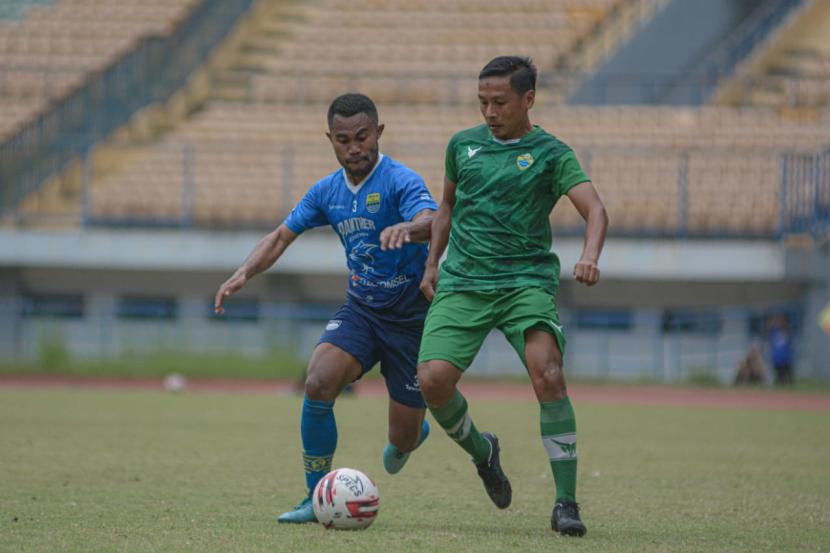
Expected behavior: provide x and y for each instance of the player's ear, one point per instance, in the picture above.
(380, 129)
(530, 98)
(328, 135)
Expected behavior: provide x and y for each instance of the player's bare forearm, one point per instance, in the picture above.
(586, 200)
(441, 225)
(439, 234)
(416, 230)
(596, 227)
(420, 228)
(265, 254)
(439, 237)
(267, 251)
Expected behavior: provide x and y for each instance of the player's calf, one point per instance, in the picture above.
(394, 459)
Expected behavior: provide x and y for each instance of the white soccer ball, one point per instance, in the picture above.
(345, 499)
(175, 382)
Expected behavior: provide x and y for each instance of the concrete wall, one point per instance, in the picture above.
(736, 279)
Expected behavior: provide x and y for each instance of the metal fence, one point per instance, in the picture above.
(805, 194)
(626, 344)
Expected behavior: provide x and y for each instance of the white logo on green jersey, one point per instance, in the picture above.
(472, 151)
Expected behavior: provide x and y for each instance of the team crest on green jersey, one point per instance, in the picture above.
(373, 202)
(524, 161)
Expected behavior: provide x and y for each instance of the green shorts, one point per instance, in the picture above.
(458, 322)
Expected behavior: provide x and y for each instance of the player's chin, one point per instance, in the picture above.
(360, 168)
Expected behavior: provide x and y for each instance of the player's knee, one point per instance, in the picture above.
(549, 381)
(434, 383)
(319, 388)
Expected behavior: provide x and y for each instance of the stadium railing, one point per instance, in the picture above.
(150, 73)
(702, 344)
(670, 192)
(805, 194)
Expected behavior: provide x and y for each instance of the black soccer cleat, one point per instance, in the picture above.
(495, 481)
(565, 519)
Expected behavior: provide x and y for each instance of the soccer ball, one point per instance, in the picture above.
(345, 499)
(175, 382)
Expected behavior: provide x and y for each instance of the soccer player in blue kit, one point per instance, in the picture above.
(380, 209)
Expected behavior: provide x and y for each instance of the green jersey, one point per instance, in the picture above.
(505, 191)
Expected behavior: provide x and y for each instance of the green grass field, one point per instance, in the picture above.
(278, 365)
(147, 471)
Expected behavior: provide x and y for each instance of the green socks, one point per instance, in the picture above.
(455, 420)
(557, 424)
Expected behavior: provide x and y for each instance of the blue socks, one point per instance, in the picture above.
(318, 430)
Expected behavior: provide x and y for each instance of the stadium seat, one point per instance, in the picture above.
(56, 44)
(255, 149)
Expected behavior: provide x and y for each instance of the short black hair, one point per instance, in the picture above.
(350, 104)
(521, 70)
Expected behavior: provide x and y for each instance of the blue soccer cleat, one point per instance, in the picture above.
(394, 459)
(301, 514)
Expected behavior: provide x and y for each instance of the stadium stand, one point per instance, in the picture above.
(248, 164)
(793, 69)
(16, 9)
(54, 47)
(244, 158)
(414, 51)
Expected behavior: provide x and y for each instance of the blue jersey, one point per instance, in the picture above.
(391, 194)
(781, 346)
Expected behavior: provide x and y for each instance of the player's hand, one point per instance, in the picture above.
(586, 272)
(429, 282)
(230, 286)
(394, 237)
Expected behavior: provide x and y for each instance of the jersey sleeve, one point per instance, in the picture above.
(308, 213)
(450, 169)
(414, 197)
(567, 173)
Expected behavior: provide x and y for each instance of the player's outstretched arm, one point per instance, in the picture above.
(586, 200)
(416, 230)
(439, 237)
(265, 254)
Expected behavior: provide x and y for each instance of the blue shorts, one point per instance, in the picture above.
(370, 338)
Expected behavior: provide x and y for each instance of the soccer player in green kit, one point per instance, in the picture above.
(502, 181)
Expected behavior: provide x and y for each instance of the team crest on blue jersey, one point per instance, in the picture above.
(524, 161)
(373, 202)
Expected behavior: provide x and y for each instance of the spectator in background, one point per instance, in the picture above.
(781, 349)
(752, 369)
